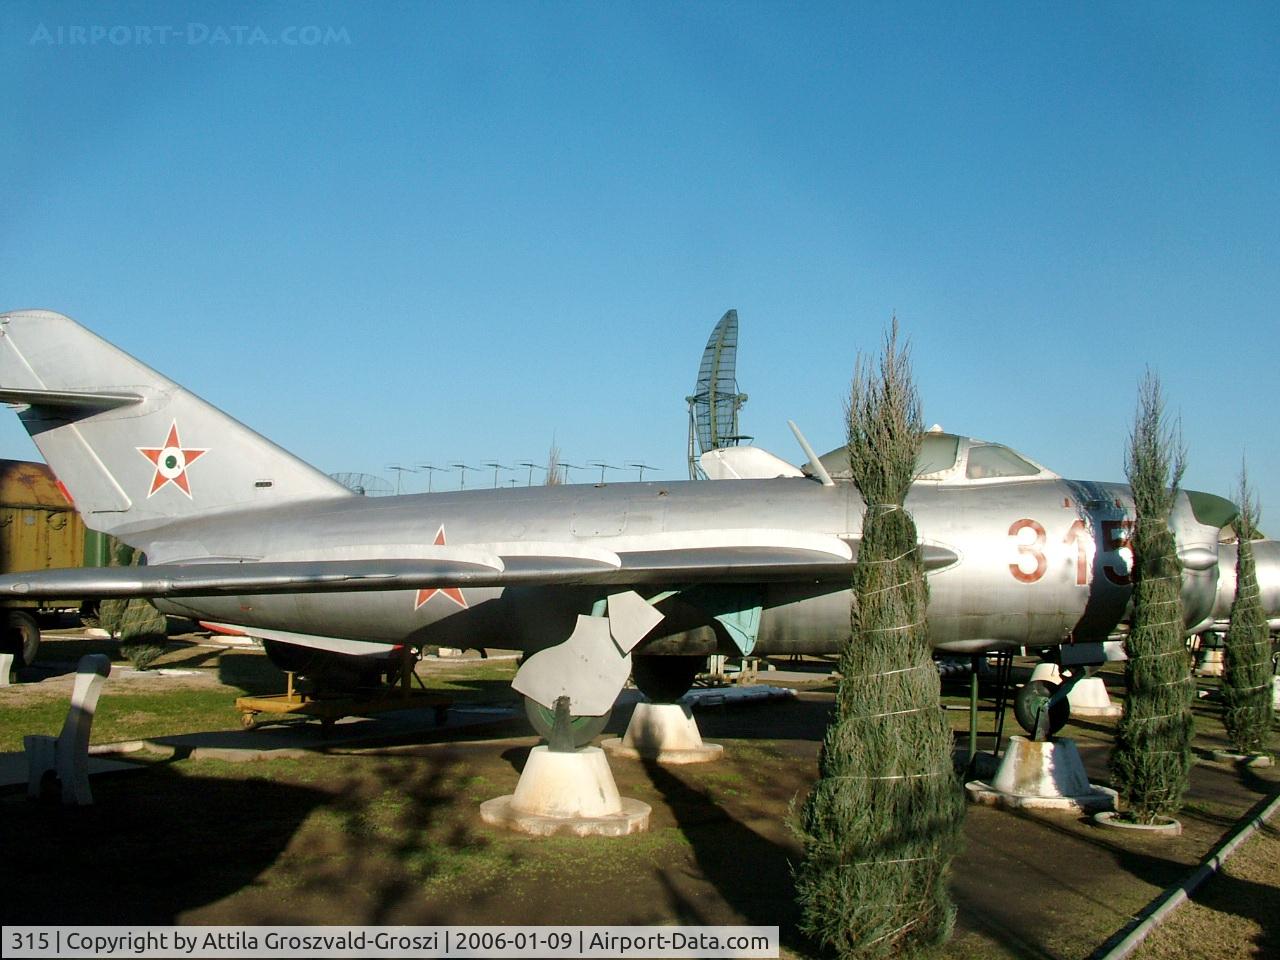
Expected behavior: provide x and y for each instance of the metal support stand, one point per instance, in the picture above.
(975, 660)
(1004, 670)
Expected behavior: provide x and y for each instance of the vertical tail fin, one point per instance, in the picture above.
(131, 447)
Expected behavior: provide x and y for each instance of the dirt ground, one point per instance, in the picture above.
(389, 834)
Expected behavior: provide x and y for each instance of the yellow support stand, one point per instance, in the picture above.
(329, 710)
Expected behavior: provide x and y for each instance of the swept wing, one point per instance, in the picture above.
(733, 556)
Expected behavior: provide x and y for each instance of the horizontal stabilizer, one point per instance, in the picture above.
(87, 400)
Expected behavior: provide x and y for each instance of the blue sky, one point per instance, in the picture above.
(456, 230)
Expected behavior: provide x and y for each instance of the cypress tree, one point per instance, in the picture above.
(111, 611)
(143, 631)
(1151, 759)
(142, 628)
(1246, 682)
(883, 821)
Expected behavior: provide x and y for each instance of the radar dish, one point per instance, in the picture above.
(714, 406)
(365, 484)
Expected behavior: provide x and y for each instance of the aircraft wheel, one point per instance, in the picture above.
(20, 636)
(584, 729)
(665, 679)
(1029, 701)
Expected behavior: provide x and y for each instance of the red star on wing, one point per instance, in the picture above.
(171, 462)
(453, 593)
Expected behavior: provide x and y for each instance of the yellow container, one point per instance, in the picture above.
(39, 528)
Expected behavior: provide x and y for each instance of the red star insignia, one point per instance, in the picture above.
(171, 462)
(453, 593)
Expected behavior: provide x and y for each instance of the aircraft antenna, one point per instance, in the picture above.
(365, 484)
(714, 405)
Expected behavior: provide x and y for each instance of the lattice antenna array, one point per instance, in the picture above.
(714, 405)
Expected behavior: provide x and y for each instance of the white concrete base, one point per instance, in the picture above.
(1275, 692)
(665, 732)
(6, 668)
(567, 793)
(1088, 698)
(1041, 775)
(1258, 761)
(1167, 827)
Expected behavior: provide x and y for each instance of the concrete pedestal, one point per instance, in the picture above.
(1041, 775)
(567, 793)
(665, 732)
(1088, 698)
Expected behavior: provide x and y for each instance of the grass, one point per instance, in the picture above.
(1234, 916)
(178, 705)
(126, 716)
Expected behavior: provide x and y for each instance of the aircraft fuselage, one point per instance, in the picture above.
(1037, 562)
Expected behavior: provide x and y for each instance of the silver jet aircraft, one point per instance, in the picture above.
(594, 582)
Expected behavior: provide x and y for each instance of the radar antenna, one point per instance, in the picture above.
(365, 484)
(714, 406)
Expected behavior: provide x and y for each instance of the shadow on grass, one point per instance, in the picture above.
(750, 871)
(152, 846)
(240, 846)
(252, 673)
(198, 656)
(1226, 894)
(473, 689)
(1245, 898)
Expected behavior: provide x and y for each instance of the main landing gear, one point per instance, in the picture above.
(1042, 708)
(581, 730)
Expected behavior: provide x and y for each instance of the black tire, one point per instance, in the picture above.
(1029, 701)
(665, 679)
(585, 729)
(20, 636)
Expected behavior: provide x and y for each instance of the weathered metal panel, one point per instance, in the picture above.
(23, 483)
(39, 529)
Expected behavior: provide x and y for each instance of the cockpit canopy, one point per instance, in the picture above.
(946, 458)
